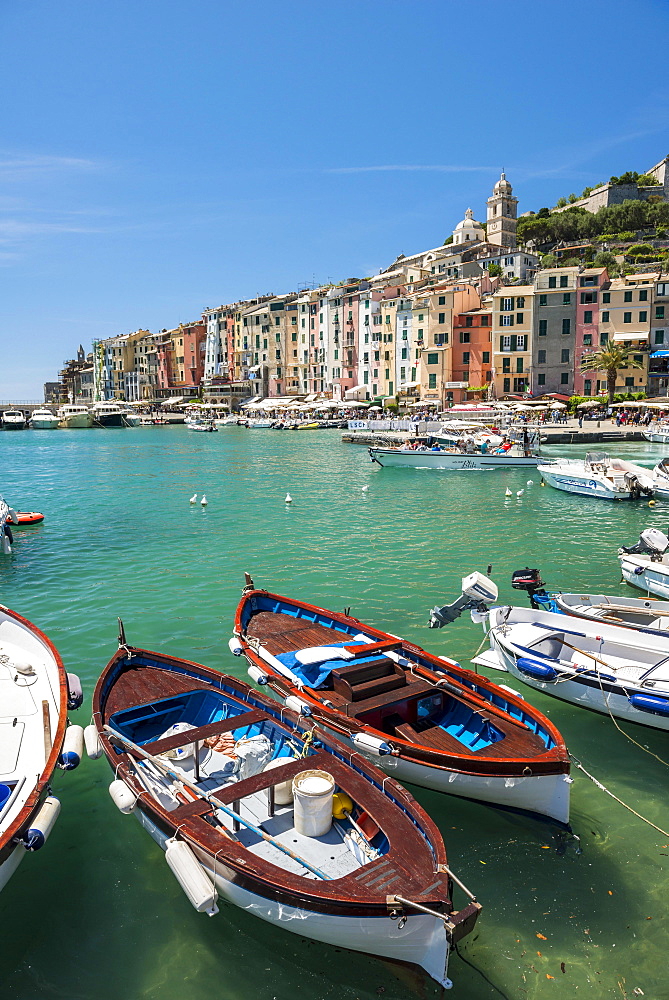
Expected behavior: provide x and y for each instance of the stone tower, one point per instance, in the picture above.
(502, 213)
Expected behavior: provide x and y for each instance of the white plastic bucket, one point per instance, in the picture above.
(283, 792)
(312, 793)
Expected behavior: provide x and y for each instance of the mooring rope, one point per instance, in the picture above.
(614, 796)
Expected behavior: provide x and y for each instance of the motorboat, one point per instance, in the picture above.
(75, 415)
(109, 413)
(254, 803)
(13, 420)
(448, 459)
(44, 420)
(599, 475)
(606, 668)
(421, 718)
(658, 432)
(8, 517)
(259, 423)
(35, 739)
(646, 564)
(206, 426)
(226, 421)
(309, 425)
(132, 419)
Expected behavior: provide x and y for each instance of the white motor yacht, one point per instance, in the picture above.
(13, 420)
(44, 420)
(109, 413)
(75, 415)
(598, 475)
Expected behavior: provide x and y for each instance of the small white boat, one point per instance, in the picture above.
(13, 420)
(657, 432)
(44, 420)
(598, 475)
(75, 415)
(448, 460)
(259, 424)
(646, 564)
(598, 666)
(35, 694)
(226, 421)
(132, 419)
(206, 426)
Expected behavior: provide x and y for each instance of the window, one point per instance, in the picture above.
(519, 385)
(420, 334)
(628, 296)
(566, 299)
(519, 318)
(552, 282)
(465, 337)
(433, 359)
(603, 338)
(486, 357)
(485, 320)
(405, 353)
(638, 358)
(643, 295)
(543, 300)
(365, 378)
(541, 379)
(662, 289)
(520, 302)
(541, 358)
(506, 364)
(519, 364)
(403, 373)
(387, 373)
(659, 312)
(507, 305)
(420, 317)
(507, 385)
(627, 317)
(564, 359)
(564, 378)
(505, 343)
(629, 380)
(432, 380)
(605, 316)
(543, 325)
(606, 296)
(588, 297)
(643, 316)
(442, 302)
(465, 357)
(442, 318)
(587, 316)
(520, 342)
(506, 320)
(564, 281)
(587, 387)
(440, 339)
(566, 326)
(469, 320)
(587, 340)
(659, 336)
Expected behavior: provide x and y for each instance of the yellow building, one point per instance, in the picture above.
(433, 319)
(625, 318)
(512, 325)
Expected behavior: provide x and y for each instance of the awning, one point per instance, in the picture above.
(408, 385)
(630, 336)
(251, 401)
(172, 400)
(355, 389)
(660, 354)
(255, 368)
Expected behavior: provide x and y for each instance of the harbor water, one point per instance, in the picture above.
(97, 913)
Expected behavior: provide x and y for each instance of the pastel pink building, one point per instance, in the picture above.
(589, 286)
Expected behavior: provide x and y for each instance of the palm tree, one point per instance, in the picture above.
(609, 359)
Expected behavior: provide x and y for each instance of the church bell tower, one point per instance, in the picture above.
(502, 215)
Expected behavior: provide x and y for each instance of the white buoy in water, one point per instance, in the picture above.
(530, 482)
(508, 493)
(520, 493)
(203, 501)
(289, 499)
(193, 499)
(365, 488)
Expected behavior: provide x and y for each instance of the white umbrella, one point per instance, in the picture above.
(375, 408)
(558, 406)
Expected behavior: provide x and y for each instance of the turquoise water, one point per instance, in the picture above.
(97, 914)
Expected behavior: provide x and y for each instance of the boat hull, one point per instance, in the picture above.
(44, 423)
(447, 461)
(652, 577)
(14, 425)
(422, 941)
(111, 420)
(76, 421)
(582, 485)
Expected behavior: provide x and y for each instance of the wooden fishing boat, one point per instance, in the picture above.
(35, 694)
(216, 773)
(423, 718)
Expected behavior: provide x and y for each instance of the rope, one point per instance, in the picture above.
(613, 796)
(615, 723)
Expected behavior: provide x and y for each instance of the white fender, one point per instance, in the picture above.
(73, 748)
(235, 646)
(42, 825)
(256, 674)
(297, 705)
(123, 798)
(13, 516)
(6, 547)
(371, 744)
(92, 742)
(192, 877)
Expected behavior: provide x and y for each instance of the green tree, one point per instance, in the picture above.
(561, 202)
(607, 260)
(610, 359)
(544, 213)
(647, 180)
(586, 192)
(548, 260)
(495, 271)
(572, 198)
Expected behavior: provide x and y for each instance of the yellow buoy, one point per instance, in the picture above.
(651, 503)
(341, 804)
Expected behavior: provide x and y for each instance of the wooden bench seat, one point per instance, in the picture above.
(204, 732)
(411, 690)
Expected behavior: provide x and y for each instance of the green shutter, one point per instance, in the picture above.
(514, 342)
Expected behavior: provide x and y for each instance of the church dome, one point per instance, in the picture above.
(469, 230)
(502, 186)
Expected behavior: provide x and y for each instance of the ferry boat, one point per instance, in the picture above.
(75, 415)
(13, 420)
(44, 420)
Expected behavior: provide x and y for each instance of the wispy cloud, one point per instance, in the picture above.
(14, 166)
(389, 167)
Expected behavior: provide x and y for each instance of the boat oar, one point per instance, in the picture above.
(590, 656)
(166, 769)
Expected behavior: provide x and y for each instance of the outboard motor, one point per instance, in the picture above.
(478, 592)
(530, 581)
(652, 542)
(638, 487)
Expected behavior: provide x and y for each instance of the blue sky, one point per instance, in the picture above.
(160, 157)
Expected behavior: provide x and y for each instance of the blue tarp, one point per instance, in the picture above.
(659, 354)
(315, 674)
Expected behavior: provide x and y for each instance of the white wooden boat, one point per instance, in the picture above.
(447, 460)
(216, 773)
(598, 475)
(35, 694)
(13, 420)
(44, 420)
(75, 415)
(598, 666)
